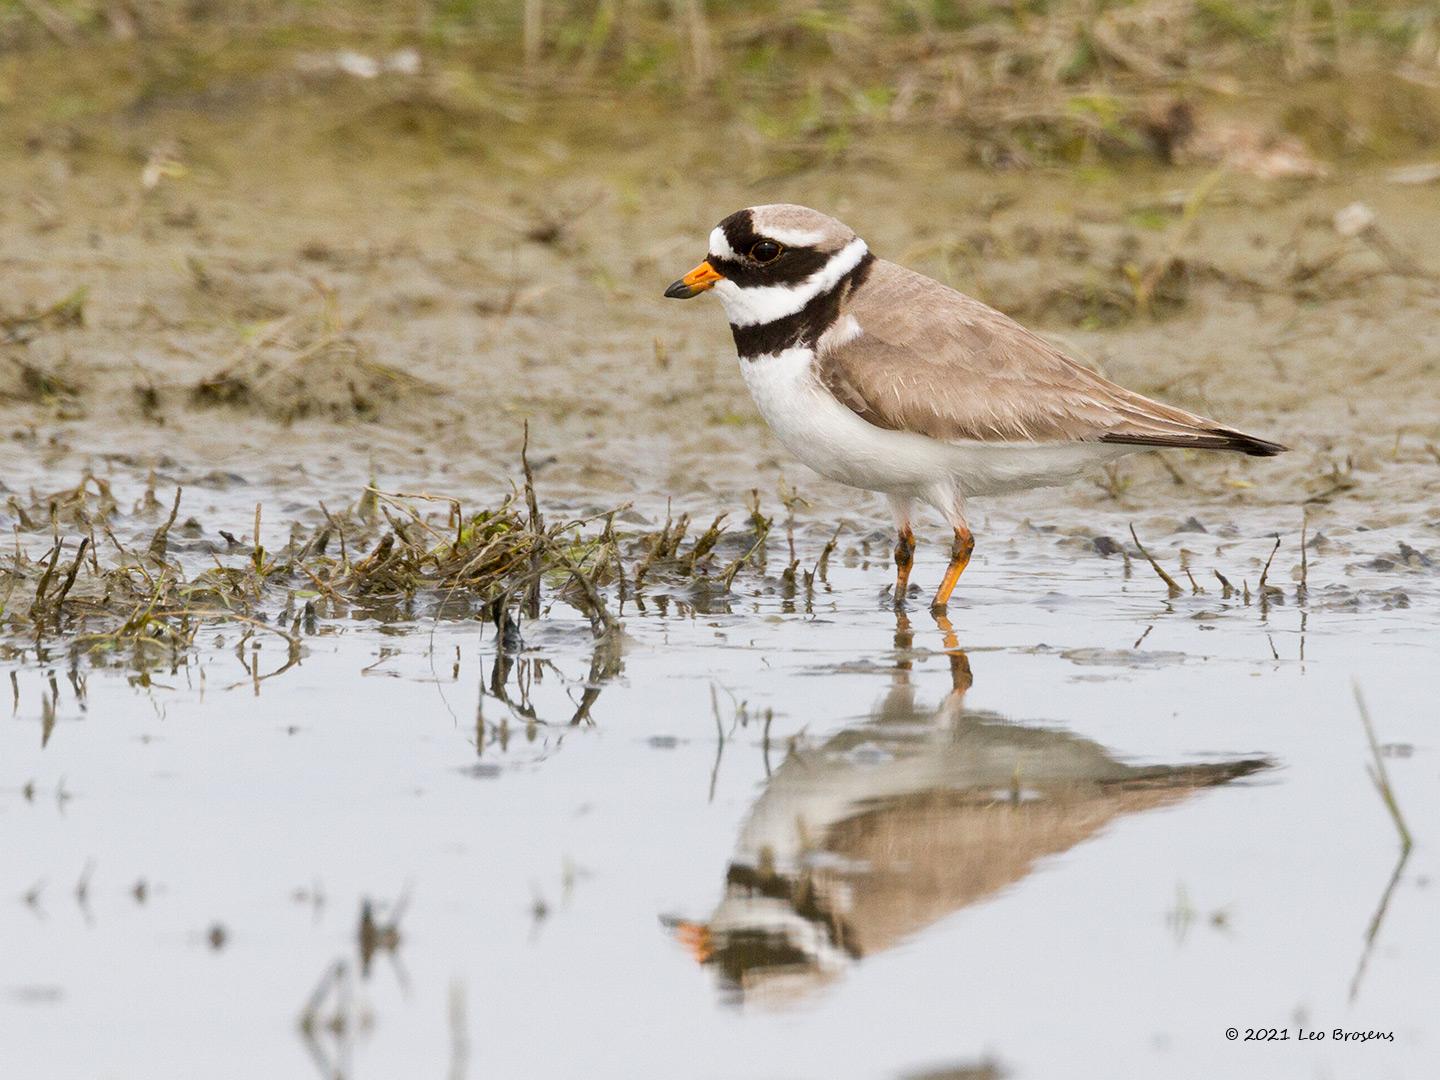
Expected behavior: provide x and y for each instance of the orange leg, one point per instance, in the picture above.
(904, 560)
(960, 677)
(947, 632)
(959, 559)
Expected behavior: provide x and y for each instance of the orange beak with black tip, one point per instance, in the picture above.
(695, 937)
(695, 282)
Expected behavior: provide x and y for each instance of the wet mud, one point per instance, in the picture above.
(328, 748)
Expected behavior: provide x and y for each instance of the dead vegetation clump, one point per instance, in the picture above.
(29, 379)
(447, 123)
(1108, 300)
(68, 311)
(234, 293)
(337, 378)
(35, 379)
(383, 558)
(318, 369)
(392, 556)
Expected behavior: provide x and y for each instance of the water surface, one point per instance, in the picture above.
(798, 838)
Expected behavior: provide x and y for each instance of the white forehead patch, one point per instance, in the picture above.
(757, 305)
(794, 237)
(720, 246)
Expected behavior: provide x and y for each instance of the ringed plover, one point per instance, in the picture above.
(887, 380)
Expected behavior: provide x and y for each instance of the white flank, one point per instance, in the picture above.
(760, 304)
(837, 443)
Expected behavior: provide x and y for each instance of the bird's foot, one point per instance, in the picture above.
(898, 600)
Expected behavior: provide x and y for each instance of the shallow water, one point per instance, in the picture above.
(794, 839)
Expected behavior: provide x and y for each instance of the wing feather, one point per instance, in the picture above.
(939, 363)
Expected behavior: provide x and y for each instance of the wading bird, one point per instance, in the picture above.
(887, 380)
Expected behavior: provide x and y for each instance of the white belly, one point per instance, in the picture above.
(837, 443)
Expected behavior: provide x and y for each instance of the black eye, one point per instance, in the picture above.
(764, 251)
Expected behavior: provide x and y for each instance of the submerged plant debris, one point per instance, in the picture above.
(391, 556)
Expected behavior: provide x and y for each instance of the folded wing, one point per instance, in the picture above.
(936, 362)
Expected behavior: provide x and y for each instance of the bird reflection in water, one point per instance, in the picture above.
(895, 822)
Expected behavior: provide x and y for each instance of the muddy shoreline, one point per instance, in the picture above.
(340, 818)
(286, 309)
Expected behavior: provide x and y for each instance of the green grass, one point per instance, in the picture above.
(1037, 80)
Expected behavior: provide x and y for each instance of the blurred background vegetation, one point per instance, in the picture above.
(1023, 81)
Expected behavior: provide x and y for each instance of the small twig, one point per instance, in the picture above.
(158, 542)
(38, 604)
(599, 613)
(340, 532)
(532, 600)
(762, 532)
(1380, 777)
(59, 600)
(1169, 466)
(1170, 583)
(720, 744)
(1262, 589)
(1227, 590)
(1372, 932)
(459, 1043)
(1304, 590)
(822, 566)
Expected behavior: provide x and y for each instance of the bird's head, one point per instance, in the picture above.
(767, 262)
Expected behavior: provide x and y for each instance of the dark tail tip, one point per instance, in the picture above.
(1249, 444)
(1216, 438)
